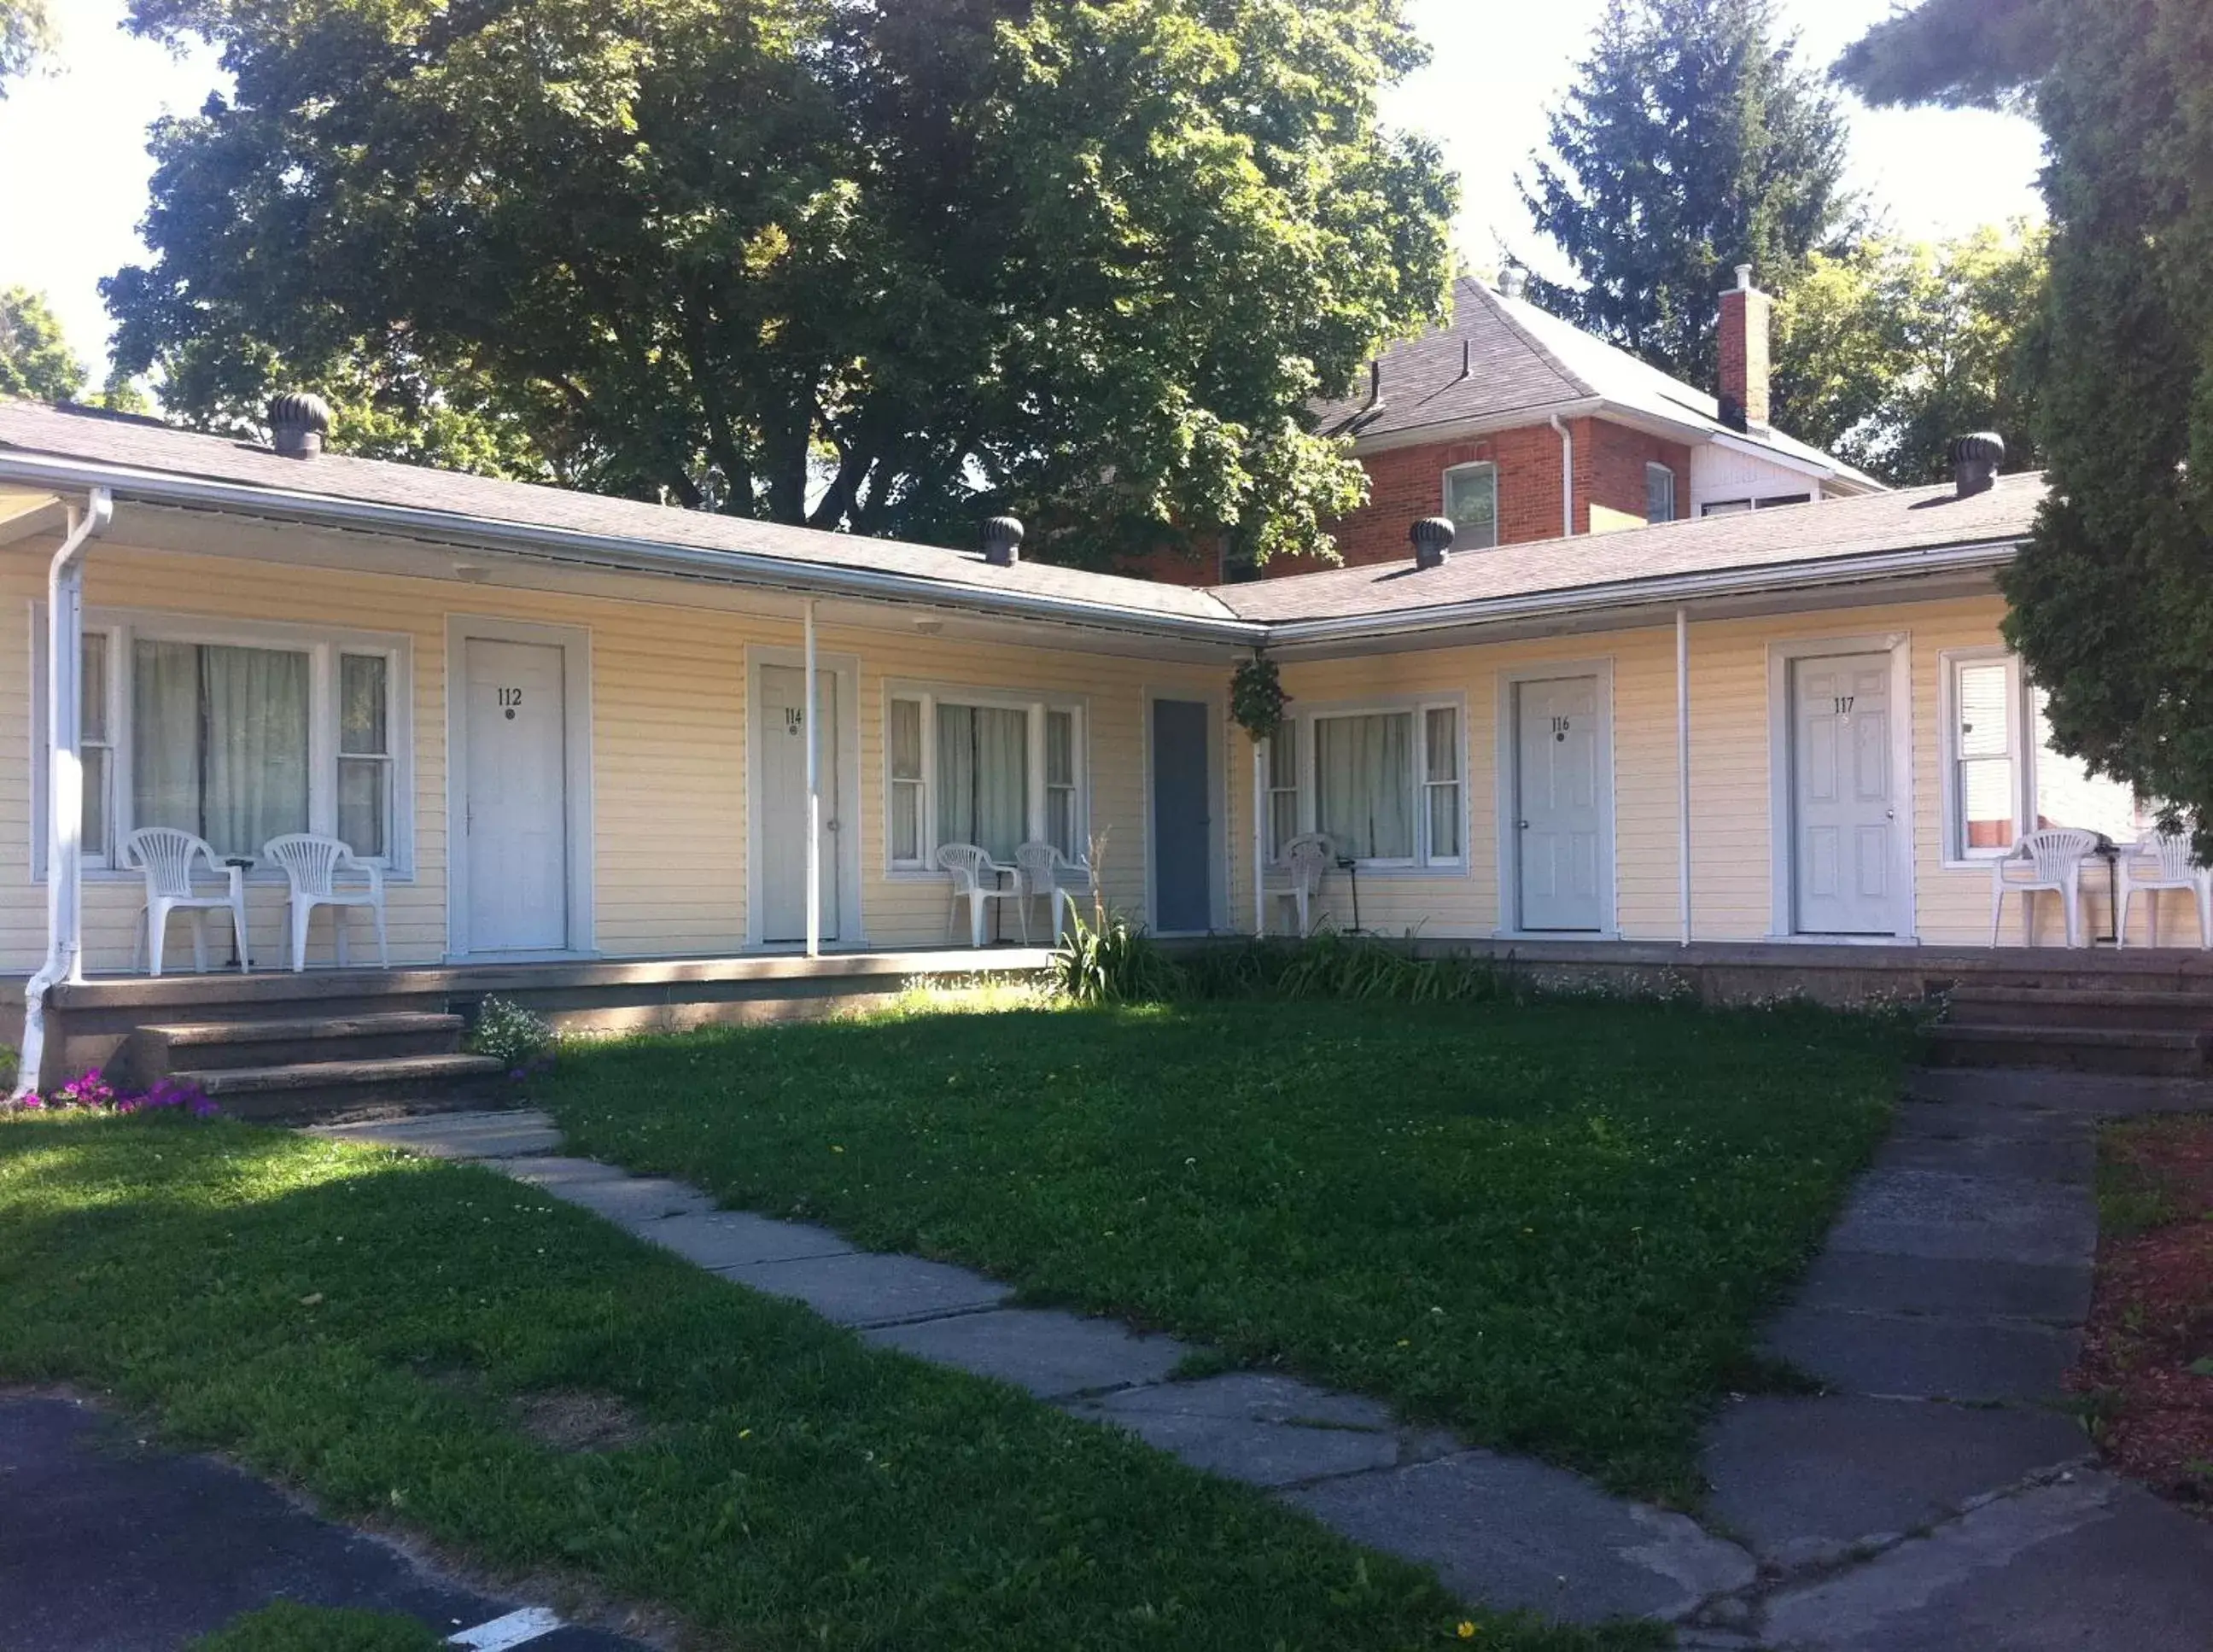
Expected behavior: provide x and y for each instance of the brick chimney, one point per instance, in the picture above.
(1746, 321)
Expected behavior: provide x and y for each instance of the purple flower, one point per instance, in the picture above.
(87, 1089)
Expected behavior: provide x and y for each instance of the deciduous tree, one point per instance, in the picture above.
(880, 265)
(35, 358)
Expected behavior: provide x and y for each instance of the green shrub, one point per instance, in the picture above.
(511, 1035)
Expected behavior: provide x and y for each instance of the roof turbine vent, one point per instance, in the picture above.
(298, 421)
(1975, 462)
(1002, 541)
(1433, 538)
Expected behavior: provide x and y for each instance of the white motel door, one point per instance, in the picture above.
(517, 819)
(1560, 816)
(1843, 796)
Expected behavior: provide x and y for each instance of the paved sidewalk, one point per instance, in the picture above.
(107, 1545)
(1937, 1498)
(1503, 1531)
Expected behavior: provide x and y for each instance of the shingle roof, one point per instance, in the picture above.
(1789, 540)
(1523, 360)
(89, 435)
(1917, 519)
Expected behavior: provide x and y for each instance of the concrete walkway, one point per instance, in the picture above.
(1935, 1498)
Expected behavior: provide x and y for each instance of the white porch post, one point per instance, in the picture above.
(814, 801)
(1683, 759)
(65, 822)
(1259, 837)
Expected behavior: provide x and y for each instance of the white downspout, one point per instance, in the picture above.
(813, 802)
(1683, 758)
(1567, 478)
(64, 779)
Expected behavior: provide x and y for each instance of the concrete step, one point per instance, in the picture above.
(2103, 1007)
(306, 1089)
(218, 1046)
(2145, 1051)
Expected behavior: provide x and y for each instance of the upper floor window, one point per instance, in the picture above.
(1659, 493)
(1472, 501)
(1738, 506)
(2003, 777)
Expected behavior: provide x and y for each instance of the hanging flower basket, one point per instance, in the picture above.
(1257, 697)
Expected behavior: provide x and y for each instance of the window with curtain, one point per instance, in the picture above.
(364, 753)
(219, 737)
(1440, 782)
(905, 741)
(1659, 493)
(1472, 501)
(1282, 789)
(1060, 797)
(237, 737)
(2007, 778)
(1986, 785)
(983, 777)
(959, 769)
(1365, 784)
(95, 742)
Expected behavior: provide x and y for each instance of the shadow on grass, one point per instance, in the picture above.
(298, 1303)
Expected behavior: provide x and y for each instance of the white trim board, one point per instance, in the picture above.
(845, 670)
(1507, 772)
(576, 645)
(1782, 828)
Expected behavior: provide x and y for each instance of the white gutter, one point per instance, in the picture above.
(621, 554)
(1596, 600)
(64, 781)
(1567, 478)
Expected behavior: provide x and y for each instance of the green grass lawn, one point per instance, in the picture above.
(1552, 1225)
(366, 1325)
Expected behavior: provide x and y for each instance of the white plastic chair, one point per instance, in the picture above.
(312, 865)
(2054, 863)
(165, 855)
(2164, 860)
(1038, 867)
(1306, 859)
(975, 878)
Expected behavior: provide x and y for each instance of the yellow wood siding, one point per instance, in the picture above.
(668, 751)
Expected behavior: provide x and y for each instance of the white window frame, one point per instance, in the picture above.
(1034, 705)
(1285, 739)
(1497, 501)
(2027, 750)
(1423, 864)
(1653, 472)
(323, 645)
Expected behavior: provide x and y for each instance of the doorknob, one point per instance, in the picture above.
(1524, 825)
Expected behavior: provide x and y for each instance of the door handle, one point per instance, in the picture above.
(1524, 825)
(1890, 814)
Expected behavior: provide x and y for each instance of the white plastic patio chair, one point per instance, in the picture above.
(2164, 860)
(975, 878)
(311, 866)
(165, 855)
(2053, 860)
(1038, 867)
(1305, 860)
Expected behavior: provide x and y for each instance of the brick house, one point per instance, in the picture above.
(1481, 419)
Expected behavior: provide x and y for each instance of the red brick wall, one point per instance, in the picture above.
(1406, 484)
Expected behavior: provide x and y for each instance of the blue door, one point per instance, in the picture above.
(1183, 831)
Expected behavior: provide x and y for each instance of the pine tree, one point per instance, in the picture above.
(1693, 141)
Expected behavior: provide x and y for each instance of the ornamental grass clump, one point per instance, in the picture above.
(1109, 960)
